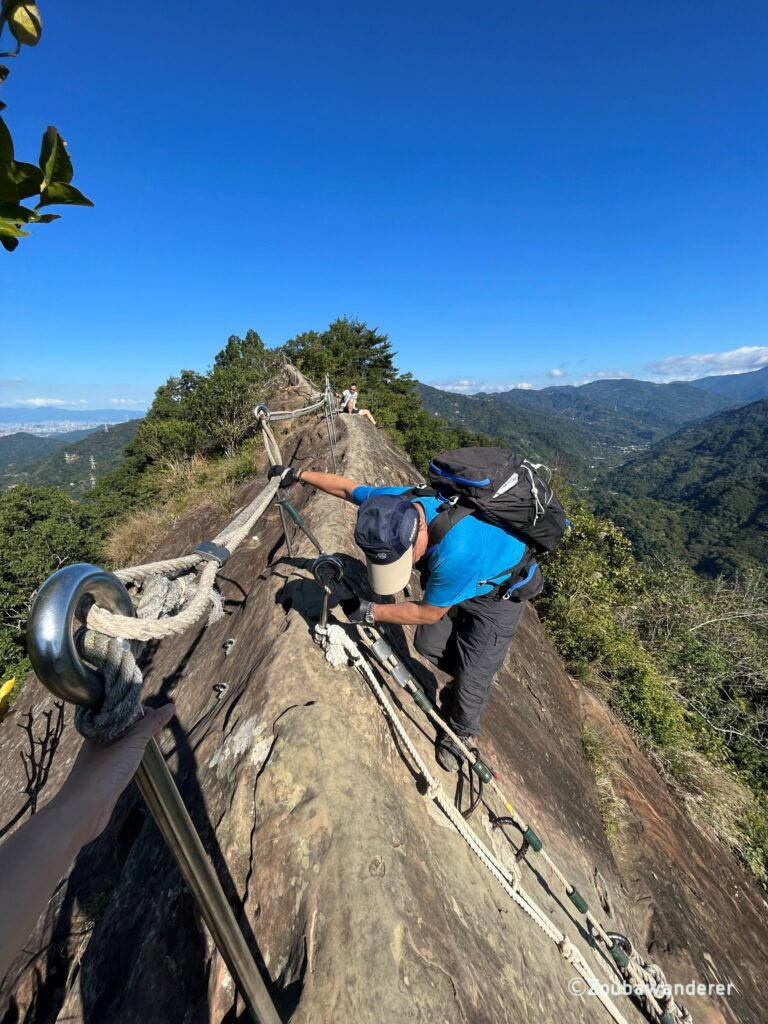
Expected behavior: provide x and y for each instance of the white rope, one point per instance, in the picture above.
(339, 643)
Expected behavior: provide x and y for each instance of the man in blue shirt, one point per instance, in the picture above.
(476, 576)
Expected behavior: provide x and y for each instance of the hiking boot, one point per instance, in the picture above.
(448, 755)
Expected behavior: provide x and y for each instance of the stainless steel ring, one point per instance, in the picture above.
(328, 569)
(51, 629)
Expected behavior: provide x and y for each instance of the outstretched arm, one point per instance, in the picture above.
(330, 483)
(34, 858)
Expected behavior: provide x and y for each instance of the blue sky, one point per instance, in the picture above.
(507, 189)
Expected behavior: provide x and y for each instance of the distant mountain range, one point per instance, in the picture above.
(737, 388)
(580, 430)
(69, 460)
(701, 494)
(21, 450)
(55, 414)
(680, 466)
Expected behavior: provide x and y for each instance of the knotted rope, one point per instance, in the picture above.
(123, 680)
(169, 601)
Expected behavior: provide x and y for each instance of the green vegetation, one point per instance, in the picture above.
(737, 388)
(50, 181)
(682, 660)
(74, 465)
(42, 529)
(533, 431)
(351, 352)
(602, 760)
(700, 495)
(20, 451)
(580, 430)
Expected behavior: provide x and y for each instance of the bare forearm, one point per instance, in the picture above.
(408, 613)
(329, 483)
(32, 862)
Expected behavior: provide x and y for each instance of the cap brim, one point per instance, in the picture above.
(389, 579)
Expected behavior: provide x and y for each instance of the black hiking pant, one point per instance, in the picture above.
(470, 644)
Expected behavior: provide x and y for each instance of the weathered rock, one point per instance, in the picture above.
(361, 899)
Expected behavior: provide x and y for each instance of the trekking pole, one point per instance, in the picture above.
(63, 598)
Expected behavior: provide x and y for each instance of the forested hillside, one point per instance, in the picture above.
(682, 660)
(737, 388)
(20, 451)
(700, 495)
(621, 413)
(81, 461)
(583, 429)
(534, 431)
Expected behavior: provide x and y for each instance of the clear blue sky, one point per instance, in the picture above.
(505, 188)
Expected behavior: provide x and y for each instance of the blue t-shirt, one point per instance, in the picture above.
(470, 554)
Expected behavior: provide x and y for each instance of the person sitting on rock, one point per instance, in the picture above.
(473, 601)
(349, 404)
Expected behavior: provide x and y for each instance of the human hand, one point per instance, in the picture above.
(358, 611)
(288, 475)
(102, 771)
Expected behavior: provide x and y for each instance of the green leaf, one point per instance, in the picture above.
(6, 142)
(24, 21)
(46, 218)
(17, 214)
(8, 229)
(59, 192)
(9, 190)
(54, 159)
(28, 178)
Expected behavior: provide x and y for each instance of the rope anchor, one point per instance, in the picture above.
(51, 644)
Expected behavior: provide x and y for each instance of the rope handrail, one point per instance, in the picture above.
(646, 979)
(334, 636)
(119, 666)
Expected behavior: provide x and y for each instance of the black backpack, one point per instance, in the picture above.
(501, 488)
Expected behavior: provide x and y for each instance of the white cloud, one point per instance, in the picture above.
(35, 403)
(555, 373)
(463, 386)
(737, 360)
(127, 401)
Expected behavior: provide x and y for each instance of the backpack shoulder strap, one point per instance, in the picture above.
(444, 522)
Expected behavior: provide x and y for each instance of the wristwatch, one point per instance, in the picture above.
(369, 619)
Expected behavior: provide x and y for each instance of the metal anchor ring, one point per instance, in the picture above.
(50, 629)
(328, 569)
(262, 410)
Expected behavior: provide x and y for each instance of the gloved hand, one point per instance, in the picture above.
(358, 611)
(288, 475)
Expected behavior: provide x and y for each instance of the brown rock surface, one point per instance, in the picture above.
(363, 902)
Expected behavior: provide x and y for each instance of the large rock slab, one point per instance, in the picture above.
(358, 897)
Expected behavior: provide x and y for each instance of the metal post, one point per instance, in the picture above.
(300, 521)
(58, 666)
(167, 808)
(288, 542)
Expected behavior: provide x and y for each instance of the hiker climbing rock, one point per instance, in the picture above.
(473, 536)
(349, 404)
